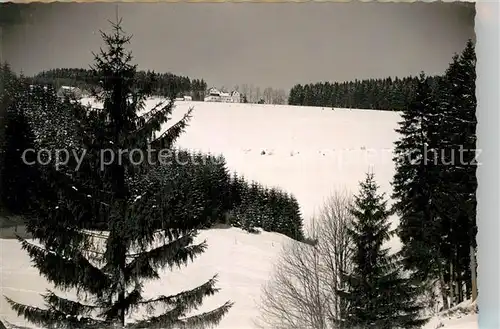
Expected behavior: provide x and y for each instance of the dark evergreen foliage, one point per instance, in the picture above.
(18, 174)
(437, 201)
(209, 176)
(133, 200)
(19, 178)
(8, 81)
(151, 83)
(230, 199)
(458, 105)
(271, 209)
(380, 94)
(416, 183)
(378, 295)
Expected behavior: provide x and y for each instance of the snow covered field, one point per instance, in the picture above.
(307, 151)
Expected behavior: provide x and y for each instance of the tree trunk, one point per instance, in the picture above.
(473, 273)
(451, 285)
(443, 289)
(468, 289)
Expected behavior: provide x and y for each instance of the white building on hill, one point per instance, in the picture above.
(225, 97)
(215, 95)
(236, 96)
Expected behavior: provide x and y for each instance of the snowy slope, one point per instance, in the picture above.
(308, 152)
(462, 316)
(242, 261)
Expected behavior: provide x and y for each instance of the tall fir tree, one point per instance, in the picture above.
(295, 218)
(417, 184)
(151, 223)
(436, 198)
(458, 175)
(378, 295)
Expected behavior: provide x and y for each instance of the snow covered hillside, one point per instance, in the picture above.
(304, 150)
(242, 261)
(308, 151)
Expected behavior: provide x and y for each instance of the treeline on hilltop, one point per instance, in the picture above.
(153, 83)
(381, 94)
(204, 179)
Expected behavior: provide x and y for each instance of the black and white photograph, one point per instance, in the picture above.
(238, 165)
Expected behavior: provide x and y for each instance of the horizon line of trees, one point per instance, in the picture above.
(150, 82)
(388, 94)
(157, 84)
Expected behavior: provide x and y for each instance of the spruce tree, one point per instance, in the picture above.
(151, 220)
(236, 190)
(219, 188)
(416, 184)
(296, 225)
(246, 214)
(436, 198)
(458, 175)
(378, 295)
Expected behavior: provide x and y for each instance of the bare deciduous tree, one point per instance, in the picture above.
(279, 97)
(245, 89)
(268, 95)
(302, 292)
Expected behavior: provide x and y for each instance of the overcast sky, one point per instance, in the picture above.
(275, 45)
